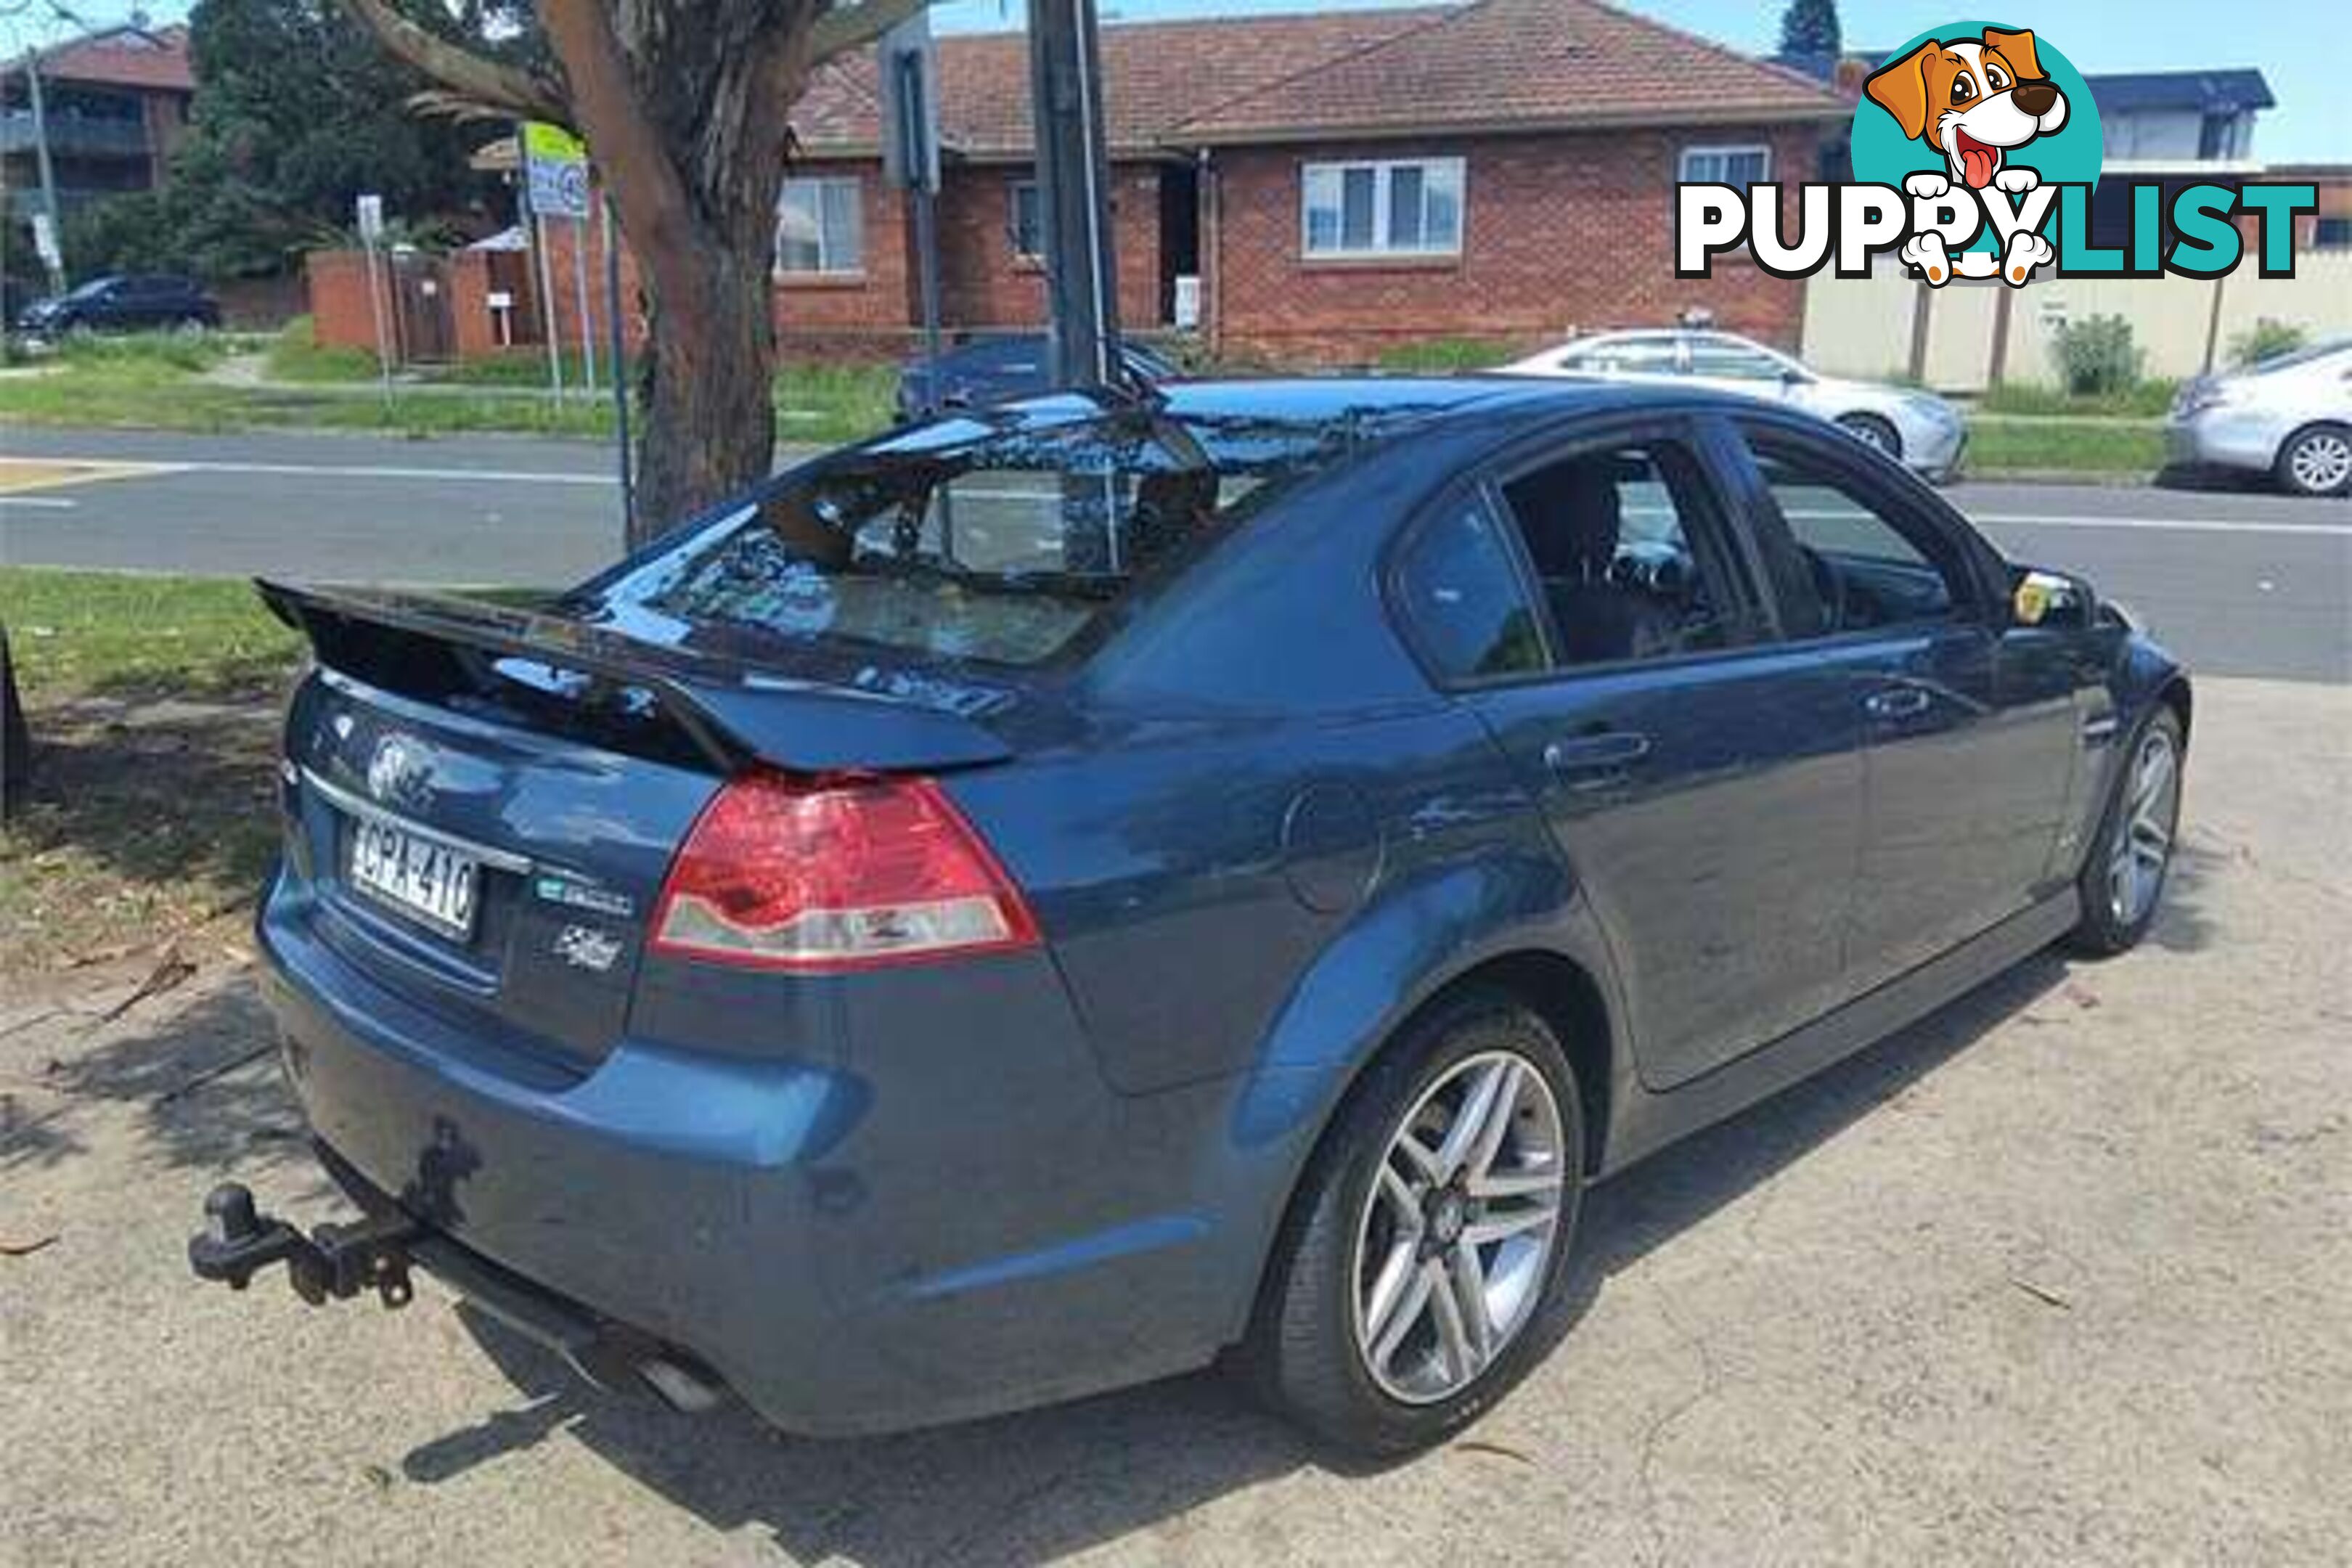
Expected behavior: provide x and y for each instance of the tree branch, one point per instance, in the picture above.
(846, 28)
(466, 74)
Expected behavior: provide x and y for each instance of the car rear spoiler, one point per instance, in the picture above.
(733, 714)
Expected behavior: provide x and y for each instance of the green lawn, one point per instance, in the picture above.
(76, 633)
(2148, 400)
(161, 383)
(2078, 445)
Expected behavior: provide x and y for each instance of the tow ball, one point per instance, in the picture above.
(333, 1262)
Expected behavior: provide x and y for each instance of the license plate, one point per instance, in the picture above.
(421, 878)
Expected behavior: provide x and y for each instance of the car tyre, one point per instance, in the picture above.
(1305, 1353)
(1873, 431)
(2122, 880)
(2316, 462)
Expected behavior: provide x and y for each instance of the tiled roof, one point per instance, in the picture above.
(1505, 64)
(153, 58)
(1155, 74)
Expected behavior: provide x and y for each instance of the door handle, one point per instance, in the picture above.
(1605, 751)
(1898, 702)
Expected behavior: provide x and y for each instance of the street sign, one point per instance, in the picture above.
(44, 242)
(371, 219)
(555, 171)
(908, 73)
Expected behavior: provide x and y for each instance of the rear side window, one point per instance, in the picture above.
(1462, 601)
(995, 539)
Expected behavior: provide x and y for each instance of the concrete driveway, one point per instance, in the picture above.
(2060, 1275)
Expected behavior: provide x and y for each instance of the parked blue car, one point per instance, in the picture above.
(1059, 895)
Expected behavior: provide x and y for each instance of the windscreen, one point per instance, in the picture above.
(995, 538)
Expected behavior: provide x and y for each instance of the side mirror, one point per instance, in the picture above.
(2050, 599)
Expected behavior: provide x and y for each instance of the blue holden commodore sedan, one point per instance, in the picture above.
(1071, 892)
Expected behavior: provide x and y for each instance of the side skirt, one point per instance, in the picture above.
(1651, 1120)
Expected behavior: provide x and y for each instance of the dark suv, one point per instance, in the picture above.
(121, 303)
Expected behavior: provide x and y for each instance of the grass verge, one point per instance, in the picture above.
(2148, 400)
(161, 383)
(2074, 445)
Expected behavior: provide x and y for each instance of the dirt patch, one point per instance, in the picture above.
(146, 823)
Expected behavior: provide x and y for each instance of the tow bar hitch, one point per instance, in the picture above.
(334, 1261)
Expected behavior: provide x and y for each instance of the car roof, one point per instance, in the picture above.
(1440, 402)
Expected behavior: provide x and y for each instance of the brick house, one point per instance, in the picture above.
(1336, 182)
(116, 105)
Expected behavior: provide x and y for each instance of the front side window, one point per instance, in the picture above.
(1390, 208)
(1738, 166)
(1462, 599)
(1869, 566)
(1024, 222)
(820, 227)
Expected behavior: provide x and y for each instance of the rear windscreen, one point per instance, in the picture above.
(981, 538)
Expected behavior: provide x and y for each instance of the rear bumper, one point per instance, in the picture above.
(944, 1230)
(2243, 439)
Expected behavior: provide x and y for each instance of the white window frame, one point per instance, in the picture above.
(1383, 177)
(828, 264)
(1726, 152)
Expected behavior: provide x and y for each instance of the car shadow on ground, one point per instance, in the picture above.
(1033, 1487)
(198, 1078)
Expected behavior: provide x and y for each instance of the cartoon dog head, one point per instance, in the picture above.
(1971, 101)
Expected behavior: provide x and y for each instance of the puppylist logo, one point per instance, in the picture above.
(1976, 149)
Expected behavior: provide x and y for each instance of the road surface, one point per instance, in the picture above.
(2237, 583)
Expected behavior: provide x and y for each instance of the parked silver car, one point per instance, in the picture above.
(1916, 428)
(2290, 417)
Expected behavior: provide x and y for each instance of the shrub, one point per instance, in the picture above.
(1443, 355)
(2265, 339)
(2096, 356)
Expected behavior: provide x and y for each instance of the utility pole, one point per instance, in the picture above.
(1074, 190)
(54, 254)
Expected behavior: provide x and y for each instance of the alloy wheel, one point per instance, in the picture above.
(2321, 462)
(1455, 1239)
(2143, 846)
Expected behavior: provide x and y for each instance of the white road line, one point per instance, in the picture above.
(47, 503)
(338, 472)
(2164, 524)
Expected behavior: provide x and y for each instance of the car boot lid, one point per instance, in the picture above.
(734, 711)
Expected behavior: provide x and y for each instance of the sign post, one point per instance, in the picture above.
(907, 71)
(370, 213)
(555, 184)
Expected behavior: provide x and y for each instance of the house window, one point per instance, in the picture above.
(1382, 209)
(1740, 166)
(820, 227)
(2332, 234)
(1024, 221)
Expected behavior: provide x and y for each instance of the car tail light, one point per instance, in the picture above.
(835, 873)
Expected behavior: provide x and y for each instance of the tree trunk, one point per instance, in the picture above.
(685, 107)
(709, 423)
(16, 738)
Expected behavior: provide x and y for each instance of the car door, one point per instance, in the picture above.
(1701, 783)
(137, 303)
(1971, 731)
